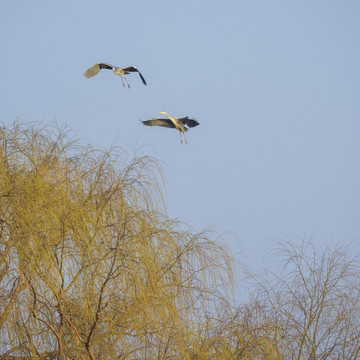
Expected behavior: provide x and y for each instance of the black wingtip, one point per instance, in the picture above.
(143, 80)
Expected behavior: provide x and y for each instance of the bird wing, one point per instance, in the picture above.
(134, 69)
(95, 69)
(159, 122)
(189, 122)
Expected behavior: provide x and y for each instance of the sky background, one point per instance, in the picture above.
(275, 86)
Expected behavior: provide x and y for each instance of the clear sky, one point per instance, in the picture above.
(274, 84)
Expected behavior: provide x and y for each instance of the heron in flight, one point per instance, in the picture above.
(117, 71)
(174, 123)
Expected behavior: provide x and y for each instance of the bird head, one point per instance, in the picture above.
(162, 112)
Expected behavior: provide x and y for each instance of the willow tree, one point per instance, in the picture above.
(311, 308)
(90, 265)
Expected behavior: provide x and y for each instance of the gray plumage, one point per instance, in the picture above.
(173, 123)
(94, 70)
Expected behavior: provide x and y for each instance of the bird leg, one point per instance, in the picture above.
(126, 81)
(121, 77)
(185, 137)
(180, 137)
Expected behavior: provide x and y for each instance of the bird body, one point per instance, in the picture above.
(94, 70)
(173, 122)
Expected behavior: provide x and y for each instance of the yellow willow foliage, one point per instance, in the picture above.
(229, 333)
(90, 267)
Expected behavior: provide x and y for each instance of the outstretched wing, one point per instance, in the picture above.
(134, 69)
(159, 122)
(189, 122)
(96, 68)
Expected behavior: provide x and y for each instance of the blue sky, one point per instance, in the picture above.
(275, 86)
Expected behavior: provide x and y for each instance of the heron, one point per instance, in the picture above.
(174, 123)
(117, 71)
